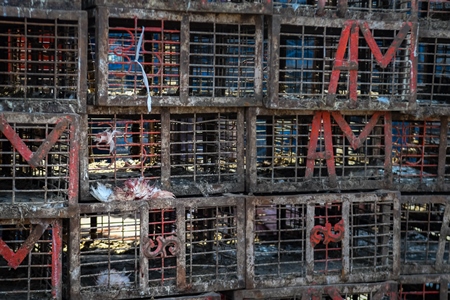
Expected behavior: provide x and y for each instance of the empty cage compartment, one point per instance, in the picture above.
(423, 287)
(335, 237)
(31, 262)
(424, 242)
(39, 159)
(341, 64)
(433, 70)
(42, 60)
(161, 247)
(303, 152)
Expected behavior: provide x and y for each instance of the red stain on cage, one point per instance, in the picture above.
(349, 39)
(14, 259)
(35, 158)
(327, 233)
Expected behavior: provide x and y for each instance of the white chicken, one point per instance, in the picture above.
(134, 189)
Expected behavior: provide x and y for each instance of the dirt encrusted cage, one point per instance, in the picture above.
(424, 244)
(347, 64)
(143, 60)
(39, 159)
(186, 153)
(433, 70)
(45, 4)
(40, 60)
(31, 266)
(293, 238)
(379, 290)
(160, 248)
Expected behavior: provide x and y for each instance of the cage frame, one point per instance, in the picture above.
(311, 276)
(77, 105)
(264, 7)
(100, 97)
(143, 207)
(28, 209)
(188, 189)
(327, 101)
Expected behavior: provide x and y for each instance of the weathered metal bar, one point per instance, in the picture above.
(143, 260)
(251, 175)
(74, 275)
(443, 144)
(57, 246)
(165, 148)
(273, 61)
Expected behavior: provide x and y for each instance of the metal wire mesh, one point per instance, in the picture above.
(39, 59)
(203, 147)
(420, 230)
(371, 239)
(43, 181)
(415, 151)
(283, 141)
(433, 76)
(32, 279)
(221, 59)
(307, 59)
(211, 245)
(109, 254)
(130, 147)
(280, 241)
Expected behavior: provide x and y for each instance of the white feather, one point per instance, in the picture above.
(102, 192)
(115, 279)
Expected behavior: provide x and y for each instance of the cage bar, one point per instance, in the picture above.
(40, 67)
(287, 154)
(316, 69)
(424, 244)
(39, 160)
(296, 240)
(433, 69)
(433, 10)
(167, 59)
(160, 248)
(122, 147)
(31, 263)
(219, 6)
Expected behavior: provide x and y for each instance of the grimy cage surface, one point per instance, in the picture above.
(123, 146)
(222, 57)
(39, 159)
(31, 262)
(288, 150)
(291, 238)
(161, 248)
(40, 58)
(423, 241)
(433, 76)
(360, 61)
(206, 151)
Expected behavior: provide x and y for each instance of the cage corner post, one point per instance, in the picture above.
(101, 52)
(74, 258)
(274, 61)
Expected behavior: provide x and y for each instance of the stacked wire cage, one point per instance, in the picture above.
(42, 79)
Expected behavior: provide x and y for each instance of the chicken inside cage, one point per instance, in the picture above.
(39, 59)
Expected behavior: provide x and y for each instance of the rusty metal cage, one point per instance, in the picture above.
(295, 239)
(215, 6)
(45, 4)
(123, 146)
(341, 65)
(349, 9)
(185, 153)
(423, 287)
(423, 242)
(206, 152)
(379, 290)
(430, 9)
(433, 71)
(142, 60)
(41, 59)
(31, 263)
(288, 151)
(415, 153)
(159, 248)
(39, 159)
